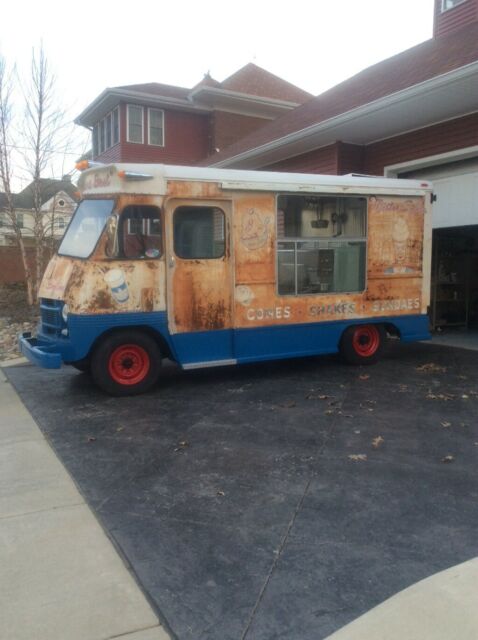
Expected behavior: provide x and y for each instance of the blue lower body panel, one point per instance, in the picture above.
(209, 347)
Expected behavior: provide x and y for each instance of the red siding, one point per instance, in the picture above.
(186, 140)
(350, 158)
(343, 158)
(440, 138)
(230, 127)
(318, 161)
(455, 18)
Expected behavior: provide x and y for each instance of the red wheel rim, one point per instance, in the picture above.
(129, 364)
(366, 340)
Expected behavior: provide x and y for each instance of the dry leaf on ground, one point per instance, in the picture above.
(377, 442)
(358, 457)
(431, 366)
(448, 459)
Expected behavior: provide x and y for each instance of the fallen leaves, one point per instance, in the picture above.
(358, 457)
(182, 444)
(377, 442)
(446, 397)
(445, 425)
(364, 376)
(431, 367)
(448, 459)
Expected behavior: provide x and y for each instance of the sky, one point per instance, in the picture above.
(97, 44)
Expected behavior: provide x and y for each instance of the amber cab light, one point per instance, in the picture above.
(82, 165)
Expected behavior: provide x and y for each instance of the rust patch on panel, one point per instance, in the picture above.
(147, 299)
(254, 238)
(395, 236)
(182, 189)
(202, 296)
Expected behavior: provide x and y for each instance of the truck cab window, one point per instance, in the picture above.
(321, 244)
(140, 233)
(199, 232)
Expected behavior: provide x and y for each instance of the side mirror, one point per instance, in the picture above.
(112, 236)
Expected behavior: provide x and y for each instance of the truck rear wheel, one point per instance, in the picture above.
(126, 363)
(362, 343)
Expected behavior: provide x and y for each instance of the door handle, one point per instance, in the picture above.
(171, 262)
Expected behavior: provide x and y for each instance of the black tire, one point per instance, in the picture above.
(363, 343)
(82, 365)
(126, 363)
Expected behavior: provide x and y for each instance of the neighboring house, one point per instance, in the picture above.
(58, 202)
(162, 123)
(413, 115)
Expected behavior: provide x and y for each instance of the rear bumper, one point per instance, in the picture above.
(40, 352)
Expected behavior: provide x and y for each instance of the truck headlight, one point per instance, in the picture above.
(64, 313)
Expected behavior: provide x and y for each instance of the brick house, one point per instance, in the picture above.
(412, 115)
(162, 123)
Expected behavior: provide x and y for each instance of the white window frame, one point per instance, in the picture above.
(444, 5)
(155, 144)
(115, 110)
(136, 106)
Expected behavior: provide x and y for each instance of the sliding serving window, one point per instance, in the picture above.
(321, 244)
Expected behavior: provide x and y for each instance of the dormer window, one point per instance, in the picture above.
(135, 124)
(450, 4)
(156, 127)
(106, 132)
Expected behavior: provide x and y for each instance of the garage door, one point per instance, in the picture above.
(456, 188)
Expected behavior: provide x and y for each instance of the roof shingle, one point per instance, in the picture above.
(425, 61)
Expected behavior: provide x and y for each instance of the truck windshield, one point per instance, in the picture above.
(85, 228)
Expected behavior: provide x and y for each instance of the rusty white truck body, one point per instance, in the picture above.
(221, 267)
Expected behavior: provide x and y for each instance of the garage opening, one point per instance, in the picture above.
(454, 292)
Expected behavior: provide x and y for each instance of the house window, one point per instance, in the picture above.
(60, 223)
(101, 145)
(156, 127)
(20, 221)
(106, 132)
(116, 126)
(107, 122)
(199, 232)
(95, 141)
(449, 4)
(135, 124)
(321, 244)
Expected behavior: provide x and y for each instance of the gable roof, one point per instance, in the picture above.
(157, 89)
(256, 81)
(250, 83)
(48, 189)
(427, 60)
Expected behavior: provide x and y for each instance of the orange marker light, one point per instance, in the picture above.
(82, 165)
(122, 173)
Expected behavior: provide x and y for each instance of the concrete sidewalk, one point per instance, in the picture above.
(438, 608)
(60, 576)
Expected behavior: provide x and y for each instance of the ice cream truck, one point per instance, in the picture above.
(211, 267)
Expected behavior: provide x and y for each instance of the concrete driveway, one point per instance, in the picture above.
(279, 500)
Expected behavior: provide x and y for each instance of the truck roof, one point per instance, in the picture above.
(153, 179)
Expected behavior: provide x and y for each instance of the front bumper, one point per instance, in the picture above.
(40, 352)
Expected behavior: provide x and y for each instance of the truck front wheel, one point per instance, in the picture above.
(126, 363)
(362, 343)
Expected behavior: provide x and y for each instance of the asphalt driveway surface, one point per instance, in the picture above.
(278, 500)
